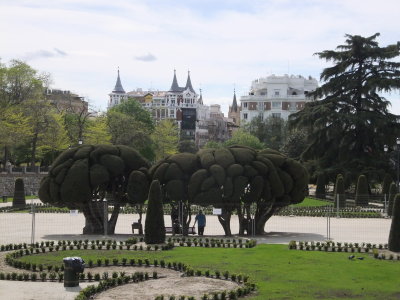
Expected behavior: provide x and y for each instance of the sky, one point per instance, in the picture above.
(225, 44)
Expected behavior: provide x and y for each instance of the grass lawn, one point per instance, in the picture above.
(312, 202)
(279, 273)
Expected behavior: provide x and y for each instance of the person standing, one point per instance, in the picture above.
(201, 222)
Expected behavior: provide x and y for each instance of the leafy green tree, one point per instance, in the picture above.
(19, 83)
(243, 138)
(97, 131)
(131, 125)
(154, 226)
(271, 131)
(350, 124)
(295, 144)
(165, 138)
(186, 145)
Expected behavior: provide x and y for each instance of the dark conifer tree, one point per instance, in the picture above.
(362, 194)
(350, 124)
(320, 189)
(154, 225)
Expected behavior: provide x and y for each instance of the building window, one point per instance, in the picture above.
(276, 115)
(276, 92)
(277, 105)
(245, 104)
(245, 116)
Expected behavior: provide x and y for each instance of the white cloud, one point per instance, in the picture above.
(147, 57)
(221, 42)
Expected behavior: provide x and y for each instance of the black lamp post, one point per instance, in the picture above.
(386, 149)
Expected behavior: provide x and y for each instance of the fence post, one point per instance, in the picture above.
(337, 205)
(385, 206)
(33, 223)
(328, 225)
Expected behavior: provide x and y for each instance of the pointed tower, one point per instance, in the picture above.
(234, 110)
(200, 100)
(118, 94)
(189, 83)
(234, 107)
(118, 86)
(174, 86)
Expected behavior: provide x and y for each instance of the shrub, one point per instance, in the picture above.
(19, 194)
(320, 189)
(154, 225)
(362, 194)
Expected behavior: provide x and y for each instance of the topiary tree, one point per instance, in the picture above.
(254, 183)
(154, 225)
(394, 235)
(387, 181)
(320, 189)
(339, 192)
(19, 194)
(362, 194)
(392, 193)
(80, 178)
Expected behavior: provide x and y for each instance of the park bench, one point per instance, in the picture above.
(137, 226)
(168, 229)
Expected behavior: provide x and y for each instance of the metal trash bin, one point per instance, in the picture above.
(72, 267)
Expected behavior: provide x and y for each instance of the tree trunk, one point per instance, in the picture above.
(113, 219)
(33, 150)
(94, 217)
(225, 220)
(263, 214)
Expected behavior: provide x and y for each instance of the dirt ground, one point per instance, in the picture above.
(170, 283)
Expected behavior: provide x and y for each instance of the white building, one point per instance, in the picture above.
(277, 96)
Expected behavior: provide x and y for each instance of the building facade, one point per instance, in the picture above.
(276, 96)
(181, 104)
(65, 101)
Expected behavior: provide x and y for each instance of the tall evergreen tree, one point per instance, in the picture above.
(320, 191)
(154, 225)
(362, 194)
(351, 123)
(339, 192)
(387, 181)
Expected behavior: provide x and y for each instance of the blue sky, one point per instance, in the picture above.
(223, 43)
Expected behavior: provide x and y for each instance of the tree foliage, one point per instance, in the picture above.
(271, 131)
(154, 226)
(350, 124)
(232, 178)
(165, 138)
(241, 137)
(131, 125)
(80, 178)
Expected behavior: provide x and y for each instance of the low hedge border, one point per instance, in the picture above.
(323, 211)
(330, 246)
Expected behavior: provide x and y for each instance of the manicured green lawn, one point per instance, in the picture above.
(278, 272)
(312, 202)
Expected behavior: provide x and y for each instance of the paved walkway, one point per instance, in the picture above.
(17, 228)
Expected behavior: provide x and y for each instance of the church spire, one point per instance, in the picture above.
(200, 101)
(234, 106)
(118, 86)
(189, 83)
(174, 86)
